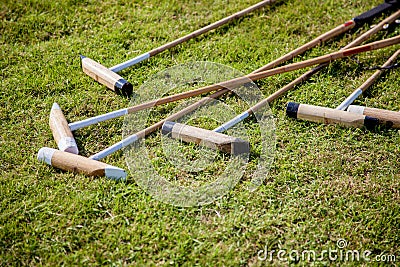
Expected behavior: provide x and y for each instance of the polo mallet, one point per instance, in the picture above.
(357, 117)
(63, 134)
(76, 167)
(243, 80)
(113, 81)
(214, 139)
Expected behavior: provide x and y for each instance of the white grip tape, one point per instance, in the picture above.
(231, 123)
(114, 173)
(350, 99)
(45, 154)
(67, 144)
(130, 62)
(84, 123)
(114, 148)
(356, 109)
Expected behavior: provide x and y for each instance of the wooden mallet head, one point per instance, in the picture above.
(106, 76)
(61, 132)
(388, 118)
(78, 164)
(329, 116)
(213, 140)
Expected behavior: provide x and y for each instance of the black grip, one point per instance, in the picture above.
(376, 11)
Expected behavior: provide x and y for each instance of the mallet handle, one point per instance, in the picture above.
(388, 118)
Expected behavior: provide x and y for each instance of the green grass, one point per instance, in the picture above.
(325, 183)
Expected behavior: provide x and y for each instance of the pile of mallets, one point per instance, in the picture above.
(67, 158)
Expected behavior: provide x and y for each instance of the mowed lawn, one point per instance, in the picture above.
(326, 183)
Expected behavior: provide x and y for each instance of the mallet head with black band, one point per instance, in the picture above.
(107, 77)
(329, 116)
(388, 118)
(207, 138)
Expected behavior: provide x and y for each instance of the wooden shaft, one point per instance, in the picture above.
(326, 58)
(61, 132)
(260, 75)
(377, 73)
(113, 81)
(329, 116)
(210, 27)
(78, 164)
(373, 30)
(106, 77)
(318, 40)
(313, 71)
(357, 92)
(388, 118)
(210, 139)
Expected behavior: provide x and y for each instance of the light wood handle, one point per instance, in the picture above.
(61, 132)
(316, 41)
(106, 77)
